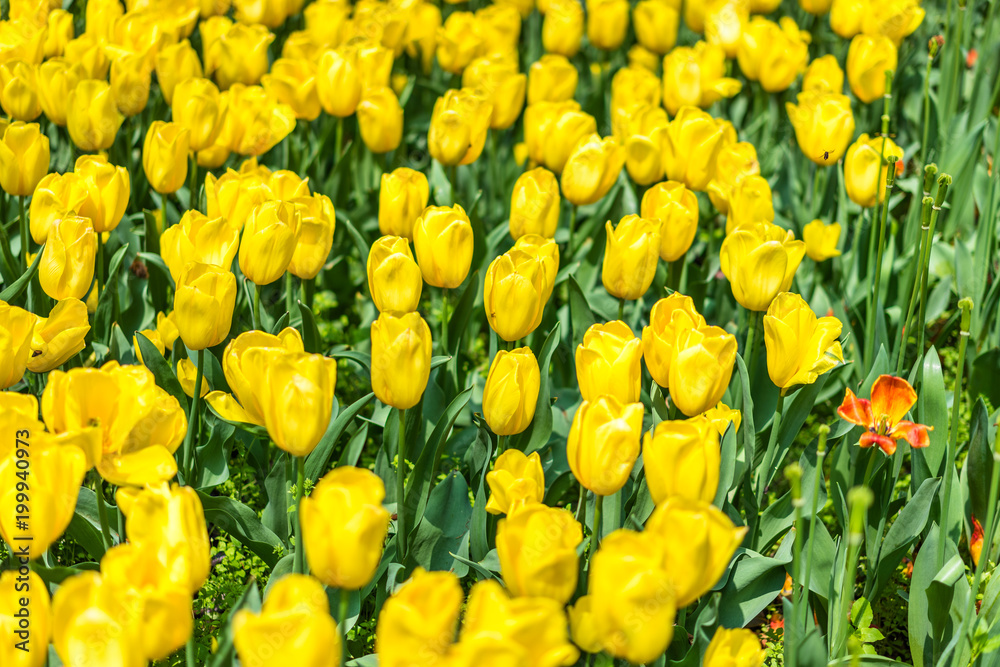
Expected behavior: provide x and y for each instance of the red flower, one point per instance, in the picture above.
(971, 57)
(892, 398)
(976, 541)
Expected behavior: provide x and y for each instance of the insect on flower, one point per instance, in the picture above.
(892, 398)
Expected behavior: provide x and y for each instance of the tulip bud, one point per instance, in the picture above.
(773, 53)
(824, 125)
(896, 19)
(165, 156)
(417, 623)
(66, 268)
(640, 56)
(868, 59)
(198, 107)
(16, 325)
(269, 238)
(535, 204)
(552, 78)
(198, 238)
(254, 121)
(641, 134)
(402, 198)
(603, 443)
(497, 79)
(174, 64)
(700, 368)
(511, 392)
(824, 75)
(821, 240)
(865, 160)
(691, 146)
(56, 78)
(19, 90)
(89, 52)
(667, 319)
(676, 209)
(317, 222)
(203, 305)
(685, 528)
(609, 362)
(337, 84)
(234, 195)
(537, 545)
(293, 82)
(187, 376)
(108, 189)
(237, 55)
(750, 202)
(130, 79)
(24, 596)
(59, 336)
(656, 24)
(380, 118)
(800, 346)
(442, 237)
(92, 117)
(499, 28)
(294, 625)
(681, 459)
(630, 255)
(515, 294)
(734, 647)
(607, 22)
(516, 480)
(696, 77)
(734, 161)
(401, 358)
(591, 170)
(344, 527)
(562, 28)
(553, 129)
(394, 279)
(760, 261)
(458, 42)
(24, 158)
(632, 86)
(458, 128)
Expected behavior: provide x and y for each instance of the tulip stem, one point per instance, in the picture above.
(256, 306)
(339, 138)
(189, 658)
(193, 184)
(501, 444)
(944, 181)
(674, 275)
(194, 419)
(23, 220)
(925, 227)
(595, 536)
(102, 511)
(764, 473)
(749, 347)
(890, 176)
(300, 486)
(400, 489)
(289, 299)
(345, 598)
(824, 431)
(621, 309)
(927, 108)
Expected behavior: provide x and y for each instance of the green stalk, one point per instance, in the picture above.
(25, 244)
(890, 177)
(193, 183)
(194, 417)
(944, 181)
(859, 499)
(966, 307)
(621, 309)
(189, 658)
(824, 431)
(256, 307)
(925, 220)
(102, 511)
(300, 485)
(772, 441)
(289, 299)
(501, 444)
(345, 597)
(339, 140)
(595, 537)
(932, 50)
(674, 274)
(400, 489)
(793, 472)
(749, 347)
(816, 201)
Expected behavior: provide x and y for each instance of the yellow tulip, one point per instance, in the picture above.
(442, 238)
(603, 443)
(760, 260)
(676, 208)
(546, 252)
(244, 405)
(607, 22)
(630, 255)
(628, 582)
(692, 144)
(846, 16)
(817, 7)
(562, 27)
(59, 336)
(421, 33)
(92, 117)
(167, 329)
(534, 204)
(750, 202)
(458, 42)
(724, 23)
(656, 23)
(197, 106)
(270, 13)
(417, 623)
(824, 75)
(56, 78)
(773, 53)
(293, 82)
(269, 238)
(720, 417)
(458, 128)
(525, 631)
(203, 305)
(89, 52)
(896, 19)
(198, 238)
(698, 541)
(734, 648)
(401, 358)
(821, 240)
(552, 78)
(337, 84)
(59, 32)
(591, 169)
(324, 21)
(394, 279)
(694, 15)
(499, 28)
(868, 59)
(696, 77)
(344, 527)
(800, 346)
(668, 318)
(234, 195)
(497, 78)
(515, 480)
(294, 624)
(165, 156)
(19, 90)
(108, 189)
(865, 166)
(537, 545)
(130, 79)
(511, 391)
(642, 140)
(380, 118)
(16, 326)
(174, 64)
(515, 293)
(317, 223)
(553, 129)
(701, 367)
(237, 55)
(254, 122)
(371, 60)
(581, 625)
(66, 268)
(824, 125)
(640, 56)
(609, 361)
(631, 86)
(734, 161)
(402, 198)
(682, 459)
(187, 375)
(24, 598)
(24, 158)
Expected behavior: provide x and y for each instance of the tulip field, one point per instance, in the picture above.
(499, 333)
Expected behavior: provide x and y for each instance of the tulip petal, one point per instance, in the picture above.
(915, 434)
(892, 397)
(145, 466)
(856, 410)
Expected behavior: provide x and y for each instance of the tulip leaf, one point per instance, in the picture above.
(249, 599)
(979, 464)
(478, 457)
(458, 322)
(937, 598)
(15, 289)
(352, 452)
(85, 526)
(479, 569)
(581, 315)
(753, 583)
(105, 305)
(319, 458)
(792, 419)
(366, 661)
(60, 573)
(164, 376)
(444, 526)
(275, 515)
(213, 455)
(281, 323)
(362, 358)
(538, 433)
(311, 340)
(931, 409)
(356, 237)
(242, 523)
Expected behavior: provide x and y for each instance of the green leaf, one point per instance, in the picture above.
(319, 458)
(444, 525)
(937, 597)
(276, 486)
(458, 322)
(359, 240)
(352, 452)
(932, 410)
(979, 463)
(242, 523)
(904, 531)
(478, 457)
(105, 307)
(861, 613)
(537, 434)
(581, 315)
(753, 584)
(85, 526)
(311, 340)
(15, 289)
(162, 373)
(59, 573)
